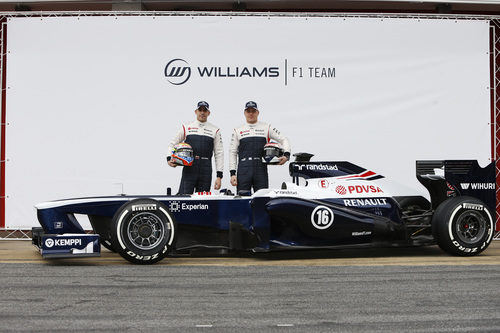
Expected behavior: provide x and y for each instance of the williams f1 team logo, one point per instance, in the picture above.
(177, 71)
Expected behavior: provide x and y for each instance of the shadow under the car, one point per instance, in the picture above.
(368, 252)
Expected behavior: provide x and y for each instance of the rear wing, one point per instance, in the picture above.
(450, 178)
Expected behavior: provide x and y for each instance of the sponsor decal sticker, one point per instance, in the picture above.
(322, 217)
(190, 207)
(365, 202)
(317, 167)
(323, 183)
(341, 190)
(176, 206)
(364, 189)
(281, 192)
(477, 186)
(358, 189)
(361, 233)
(49, 242)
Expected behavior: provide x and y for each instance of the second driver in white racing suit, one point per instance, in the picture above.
(247, 148)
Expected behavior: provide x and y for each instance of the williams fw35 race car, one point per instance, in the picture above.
(327, 205)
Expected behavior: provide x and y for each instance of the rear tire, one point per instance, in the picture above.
(463, 226)
(143, 231)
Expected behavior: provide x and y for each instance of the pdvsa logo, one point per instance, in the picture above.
(177, 71)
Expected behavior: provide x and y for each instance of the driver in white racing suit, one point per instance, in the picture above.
(247, 148)
(205, 139)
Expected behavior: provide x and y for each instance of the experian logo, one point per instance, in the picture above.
(177, 71)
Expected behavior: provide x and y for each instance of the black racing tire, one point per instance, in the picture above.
(463, 226)
(143, 231)
(107, 244)
(102, 226)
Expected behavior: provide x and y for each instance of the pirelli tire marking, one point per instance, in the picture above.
(144, 208)
(452, 224)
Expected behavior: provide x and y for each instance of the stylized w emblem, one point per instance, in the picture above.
(177, 71)
(178, 74)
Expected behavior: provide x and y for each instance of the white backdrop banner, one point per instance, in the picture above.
(92, 102)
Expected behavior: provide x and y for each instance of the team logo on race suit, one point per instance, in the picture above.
(322, 217)
(177, 71)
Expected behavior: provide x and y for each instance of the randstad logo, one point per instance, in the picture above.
(177, 71)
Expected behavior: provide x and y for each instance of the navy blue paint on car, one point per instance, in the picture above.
(348, 207)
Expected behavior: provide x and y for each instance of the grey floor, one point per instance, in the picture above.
(46, 298)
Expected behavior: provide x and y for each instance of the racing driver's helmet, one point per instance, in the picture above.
(183, 154)
(272, 153)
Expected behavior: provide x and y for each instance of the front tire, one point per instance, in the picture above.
(463, 226)
(143, 231)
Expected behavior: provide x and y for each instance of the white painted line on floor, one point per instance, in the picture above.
(284, 325)
(207, 325)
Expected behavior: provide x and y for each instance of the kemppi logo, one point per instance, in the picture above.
(177, 71)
